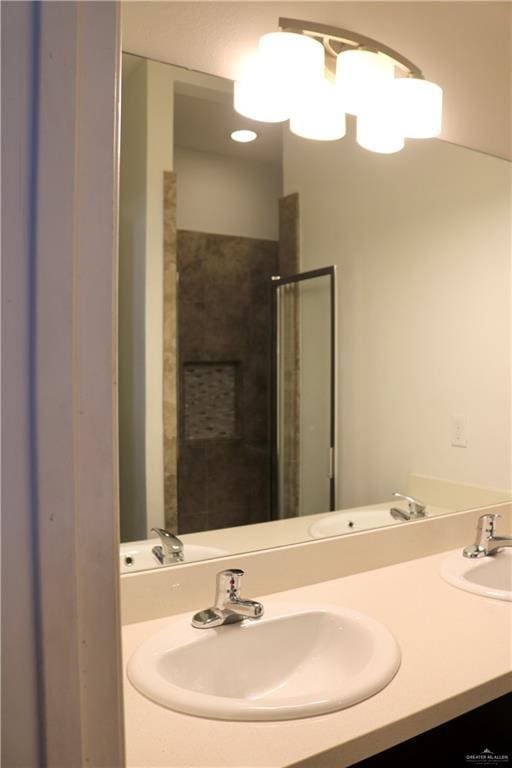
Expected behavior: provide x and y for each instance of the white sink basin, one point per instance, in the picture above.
(351, 520)
(295, 661)
(487, 576)
(137, 555)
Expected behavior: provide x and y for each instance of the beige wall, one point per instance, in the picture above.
(315, 412)
(132, 282)
(146, 152)
(160, 100)
(422, 243)
(227, 195)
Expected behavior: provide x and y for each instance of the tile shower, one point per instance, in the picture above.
(224, 337)
(217, 370)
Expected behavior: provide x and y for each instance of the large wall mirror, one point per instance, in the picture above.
(305, 328)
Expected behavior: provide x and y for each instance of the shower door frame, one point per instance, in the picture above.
(278, 282)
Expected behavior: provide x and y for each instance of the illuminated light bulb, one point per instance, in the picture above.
(320, 116)
(378, 131)
(272, 81)
(360, 75)
(418, 105)
(243, 135)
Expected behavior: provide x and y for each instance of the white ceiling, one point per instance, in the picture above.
(463, 46)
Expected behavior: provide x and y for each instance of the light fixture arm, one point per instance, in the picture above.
(329, 35)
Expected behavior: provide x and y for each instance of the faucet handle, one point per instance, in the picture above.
(169, 539)
(228, 585)
(487, 523)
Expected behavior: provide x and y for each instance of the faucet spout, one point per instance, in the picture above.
(497, 543)
(249, 609)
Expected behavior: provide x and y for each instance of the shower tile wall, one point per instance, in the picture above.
(169, 354)
(224, 359)
(289, 418)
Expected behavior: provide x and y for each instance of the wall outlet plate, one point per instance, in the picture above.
(459, 431)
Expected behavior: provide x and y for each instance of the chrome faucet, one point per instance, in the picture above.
(171, 548)
(416, 508)
(486, 542)
(229, 607)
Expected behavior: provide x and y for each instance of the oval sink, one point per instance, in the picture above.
(487, 576)
(296, 661)
(137, 555)
(352, 520)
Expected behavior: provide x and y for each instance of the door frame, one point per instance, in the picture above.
(60, 379)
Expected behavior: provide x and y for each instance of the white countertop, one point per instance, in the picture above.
(456, 655)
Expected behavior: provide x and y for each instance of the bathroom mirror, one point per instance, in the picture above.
(305, 327)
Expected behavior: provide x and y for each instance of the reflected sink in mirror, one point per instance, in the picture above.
(352, 520)
(362, 519)
(296, 661)
(138, 556)
(489, 576)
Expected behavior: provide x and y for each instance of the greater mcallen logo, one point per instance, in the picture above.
(486, 757)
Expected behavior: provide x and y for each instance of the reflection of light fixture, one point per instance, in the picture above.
(377, 131)
(320, 116)
(287, 79)
(243, 135)
(419, 106)
(259, 97)
(271, 80)
(360, 76)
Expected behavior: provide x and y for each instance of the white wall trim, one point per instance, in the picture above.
(21, 684)
(75, 391)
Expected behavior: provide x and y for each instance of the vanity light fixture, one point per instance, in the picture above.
(244, 135)
(313, 74)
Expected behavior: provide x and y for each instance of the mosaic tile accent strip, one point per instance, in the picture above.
(210, 400)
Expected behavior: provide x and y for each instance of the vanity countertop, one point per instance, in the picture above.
(455, 656)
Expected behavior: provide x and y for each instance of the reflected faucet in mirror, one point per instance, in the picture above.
(416, 508)
(171, 548)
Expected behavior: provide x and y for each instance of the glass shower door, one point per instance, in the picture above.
(304, 393)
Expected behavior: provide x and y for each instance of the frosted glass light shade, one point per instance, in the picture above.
(273, 80)
(419, 107)
(295, 59)
(377, 130)
(360, 75)
(320, 116)
(260, 96)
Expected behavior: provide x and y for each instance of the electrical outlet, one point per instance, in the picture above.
(459, 431)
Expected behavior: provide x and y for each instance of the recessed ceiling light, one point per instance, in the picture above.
(244, 136)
